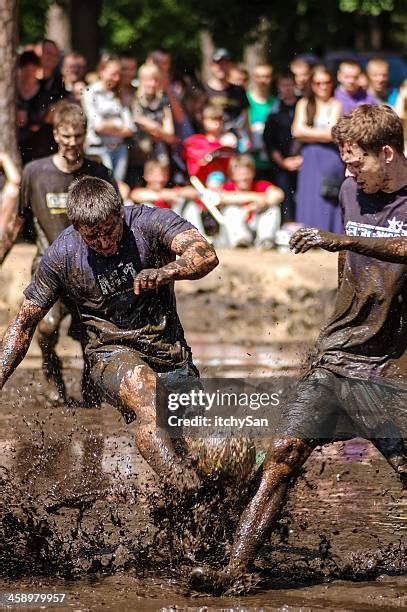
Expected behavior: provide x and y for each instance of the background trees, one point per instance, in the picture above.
(292, 26)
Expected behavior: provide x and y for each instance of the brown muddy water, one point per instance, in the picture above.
(80, 512)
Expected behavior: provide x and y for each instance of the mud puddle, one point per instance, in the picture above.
(78, 516)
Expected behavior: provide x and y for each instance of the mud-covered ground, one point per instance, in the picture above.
(81, 514)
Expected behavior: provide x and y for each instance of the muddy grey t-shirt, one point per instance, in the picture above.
(101, 288)
(366, 336)
(43, 195)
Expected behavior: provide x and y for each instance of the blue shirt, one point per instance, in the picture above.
(101, 288)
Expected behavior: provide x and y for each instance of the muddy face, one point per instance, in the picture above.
(70, 140)
(369, 170)
(104, 238)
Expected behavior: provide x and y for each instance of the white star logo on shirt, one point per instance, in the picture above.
(394, 225)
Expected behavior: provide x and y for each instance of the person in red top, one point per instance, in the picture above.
(250, 208)
(212, 150)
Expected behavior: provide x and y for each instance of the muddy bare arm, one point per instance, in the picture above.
(196, 259)
(10, 235)
(393, 250)
(18, 337)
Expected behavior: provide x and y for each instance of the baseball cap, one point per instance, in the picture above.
(221, 54)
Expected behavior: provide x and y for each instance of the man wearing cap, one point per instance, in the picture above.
(230, 98)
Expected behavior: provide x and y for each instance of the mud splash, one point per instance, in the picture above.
(78, 503)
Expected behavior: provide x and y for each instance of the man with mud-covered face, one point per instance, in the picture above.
(118, 266)
(358, 372)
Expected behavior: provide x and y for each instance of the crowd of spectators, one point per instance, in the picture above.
(258, 143)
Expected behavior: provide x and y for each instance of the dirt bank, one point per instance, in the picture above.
(252, 297)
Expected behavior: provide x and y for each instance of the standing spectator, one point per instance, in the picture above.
(28, 88)
(127, 91)
(378, 73)
(73, 70)
(173, 90)
(33, 132)
(302, 75)
(261, 102)
(364, 81)
(194, 101)
(49, 72)
(239, 75)
(128, 74)
(321, 172)
(282, 149)
(230, 99)
(349, 92)
(161, 58)
(109, 122)
(153, 118)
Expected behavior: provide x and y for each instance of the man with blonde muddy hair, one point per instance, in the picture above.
(358, 371)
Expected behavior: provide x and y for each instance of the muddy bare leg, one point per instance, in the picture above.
(47, 337)
(141, 391)
(284, 459)
(281, 467)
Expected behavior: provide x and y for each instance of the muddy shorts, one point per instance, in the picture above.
(109, 368)
(325, 404)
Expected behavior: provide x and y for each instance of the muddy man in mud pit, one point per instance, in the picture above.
(117, 267)
(359, 369)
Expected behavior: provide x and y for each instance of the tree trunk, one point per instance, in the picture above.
(376, 34)
(258, 51)
(207, 49)
(59, 26)
(8, 57)
(85, 29)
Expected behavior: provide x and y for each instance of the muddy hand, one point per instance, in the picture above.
(310, 237)
(151, 278)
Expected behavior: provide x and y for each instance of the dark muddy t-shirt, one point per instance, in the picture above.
(366, 336)
(102, 287)
(43, 195)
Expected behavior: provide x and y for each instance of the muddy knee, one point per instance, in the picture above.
(138, 390)
(48, 327)
(286, 455)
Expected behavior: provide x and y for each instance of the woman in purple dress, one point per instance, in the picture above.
(322, 171)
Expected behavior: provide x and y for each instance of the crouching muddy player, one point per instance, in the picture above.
(117, 266)
(358, 373)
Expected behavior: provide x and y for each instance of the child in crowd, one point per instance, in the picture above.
(250, 208)
(212, 150)
(156, 193)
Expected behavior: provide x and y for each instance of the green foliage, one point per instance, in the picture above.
(293, 26)
(32, 20)
(141, 25)
(366, 7)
